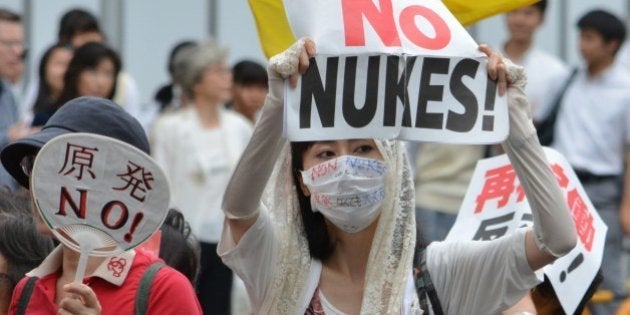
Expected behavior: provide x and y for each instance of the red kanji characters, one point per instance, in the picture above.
(78, 159)
(499, 184)
(137, 179)
(582, 218)
(563, 180)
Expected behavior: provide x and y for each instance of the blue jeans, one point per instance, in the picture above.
(434, 225)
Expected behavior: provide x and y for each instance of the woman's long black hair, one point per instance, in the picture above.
(320, 244)
(45, 101)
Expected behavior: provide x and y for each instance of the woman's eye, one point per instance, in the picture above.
(325, 154)
(365, 149)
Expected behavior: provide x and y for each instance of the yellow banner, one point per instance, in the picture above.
(276, 36)
(469, 12)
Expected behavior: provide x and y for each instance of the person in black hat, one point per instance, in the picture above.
(104, 295)
(83, 114)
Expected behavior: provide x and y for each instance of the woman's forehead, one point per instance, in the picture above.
(343, 142)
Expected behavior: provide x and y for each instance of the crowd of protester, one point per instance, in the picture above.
(211, 111)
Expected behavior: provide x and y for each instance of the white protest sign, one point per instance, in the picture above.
(387, 69)
(97, 183)
(495, 205)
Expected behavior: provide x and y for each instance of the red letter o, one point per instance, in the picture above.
(410, 29)
(122, 219)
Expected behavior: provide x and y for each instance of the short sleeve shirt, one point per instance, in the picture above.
(115, 283)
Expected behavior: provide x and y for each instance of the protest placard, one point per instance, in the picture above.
(495, 205)
(388, 69)
(100, 185)
(276, 35)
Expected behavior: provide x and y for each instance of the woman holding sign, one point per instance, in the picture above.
(335, 230)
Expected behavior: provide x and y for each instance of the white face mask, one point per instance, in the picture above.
(347, 190)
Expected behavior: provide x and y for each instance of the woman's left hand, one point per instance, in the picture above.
(496, 68)
(81, 300)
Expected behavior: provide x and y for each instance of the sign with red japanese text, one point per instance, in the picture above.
(391, 69)
(84, 180)
(495, 205)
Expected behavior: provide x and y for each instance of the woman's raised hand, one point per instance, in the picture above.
(293, 61)
(496, 68)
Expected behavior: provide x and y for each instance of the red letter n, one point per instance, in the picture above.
(65, 198)
(382, 21)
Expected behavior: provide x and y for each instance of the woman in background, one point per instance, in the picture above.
(198, 147)
(52, 69)
(92, 72)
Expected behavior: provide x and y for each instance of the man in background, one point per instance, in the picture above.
(249, 89)
(545, 72)
(11, 52)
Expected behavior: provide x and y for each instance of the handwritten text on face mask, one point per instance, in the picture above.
(353, 165)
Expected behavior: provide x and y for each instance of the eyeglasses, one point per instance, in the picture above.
(27, 164)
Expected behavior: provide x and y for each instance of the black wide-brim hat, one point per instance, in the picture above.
(84, 114)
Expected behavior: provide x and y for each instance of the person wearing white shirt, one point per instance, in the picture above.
(545, 72)
(593, 132)
(198, 148)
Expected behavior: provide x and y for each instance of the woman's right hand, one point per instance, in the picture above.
(291, 62)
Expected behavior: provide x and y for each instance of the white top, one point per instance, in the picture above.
(593, 125)
(546, 75)
(199, 163)
(442, 173)
(469, 277)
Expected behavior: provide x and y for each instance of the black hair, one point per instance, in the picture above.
(248, 72)
(541, 5)
(74, 22)
(178, 247)
(44, 100)
(320, 244)
(87, 57)
(9, 16)
(22, 245)
(606, 24)
(178, 47)
(547, 302)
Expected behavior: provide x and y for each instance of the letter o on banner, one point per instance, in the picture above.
(122, 217)
(411, 31)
